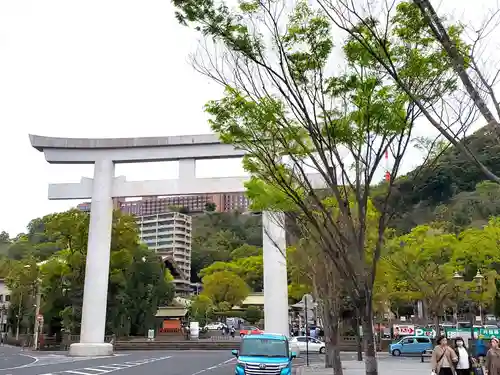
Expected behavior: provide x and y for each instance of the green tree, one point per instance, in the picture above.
(202, 309)
(246, 250)
(424, 260)
(217, 234)
(253, 314)
(466, 64)
(220, 267)
(210, 207)
(288, 110)
(20, 248)
(4, 237)
(138, 285)
(225, 289)
(22, 280)
(424, 40)
(250, 269)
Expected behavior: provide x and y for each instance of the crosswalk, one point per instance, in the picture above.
(55, 359)
(106, 369)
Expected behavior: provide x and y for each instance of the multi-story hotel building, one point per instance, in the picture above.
(169, 235)
(192, 203)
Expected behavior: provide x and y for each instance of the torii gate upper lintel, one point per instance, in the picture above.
(104, 154)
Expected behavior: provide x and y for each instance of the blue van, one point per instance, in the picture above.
(264, 354)
(411, 345)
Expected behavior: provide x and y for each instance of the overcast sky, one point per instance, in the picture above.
(96, 68)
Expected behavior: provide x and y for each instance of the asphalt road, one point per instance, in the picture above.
(14, 361)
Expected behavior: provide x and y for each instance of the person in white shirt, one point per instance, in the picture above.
(464, 364)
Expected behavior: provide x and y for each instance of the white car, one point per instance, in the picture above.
(215, 326)
(313, 346)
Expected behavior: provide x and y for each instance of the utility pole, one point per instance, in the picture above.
(37, 313)
(19, 315)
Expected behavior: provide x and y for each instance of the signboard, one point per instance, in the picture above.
(485, 333)
(194, 330)
(488, 333)
(403, 329)
(151, 334)
(425, 332)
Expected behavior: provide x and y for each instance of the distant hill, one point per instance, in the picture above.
(448, 188)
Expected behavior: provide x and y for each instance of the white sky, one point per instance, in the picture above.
(96, 68)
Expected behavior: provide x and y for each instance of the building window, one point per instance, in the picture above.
(7, 298)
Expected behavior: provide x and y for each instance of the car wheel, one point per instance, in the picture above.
(396, 353)
(241, 335)
(322, 350)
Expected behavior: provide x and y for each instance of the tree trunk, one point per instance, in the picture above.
(332, 358)
(371, 367)
(359, 339)
(331, 327)
(436, 325)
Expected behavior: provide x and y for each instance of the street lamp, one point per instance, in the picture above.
(479, 280)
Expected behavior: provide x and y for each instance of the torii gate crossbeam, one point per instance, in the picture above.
(104, 154)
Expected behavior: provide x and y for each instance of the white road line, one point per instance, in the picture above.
(110, 367)
(213, 367)
(35, 360)
(106, 369)
(99, 370)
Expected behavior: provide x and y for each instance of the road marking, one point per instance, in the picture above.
(55, 359)
(106, 369)
(35, 360)
(211, 367)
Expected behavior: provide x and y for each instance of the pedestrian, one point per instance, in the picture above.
(233, 331)
(465, 360)
(312, 332)
(443, 358)
(492, 364)
(2, 338)
(480, 348)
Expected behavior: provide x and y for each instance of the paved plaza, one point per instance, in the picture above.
(407, 366)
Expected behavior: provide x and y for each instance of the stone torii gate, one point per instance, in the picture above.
(104, 154)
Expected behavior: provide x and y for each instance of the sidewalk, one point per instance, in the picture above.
(358, 368)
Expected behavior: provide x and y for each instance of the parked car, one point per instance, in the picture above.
(411, 345)
(215, 326)
(309, 344)
(250, 330)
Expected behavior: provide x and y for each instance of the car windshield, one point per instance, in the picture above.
(264, 348)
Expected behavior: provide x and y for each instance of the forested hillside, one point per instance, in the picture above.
(450, 189)
(216, 235)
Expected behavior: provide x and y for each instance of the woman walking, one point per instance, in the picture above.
(465, 360)
(493, 358)
(443, 358)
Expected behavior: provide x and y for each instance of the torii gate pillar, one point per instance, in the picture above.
(95, 290)
(104, 153)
